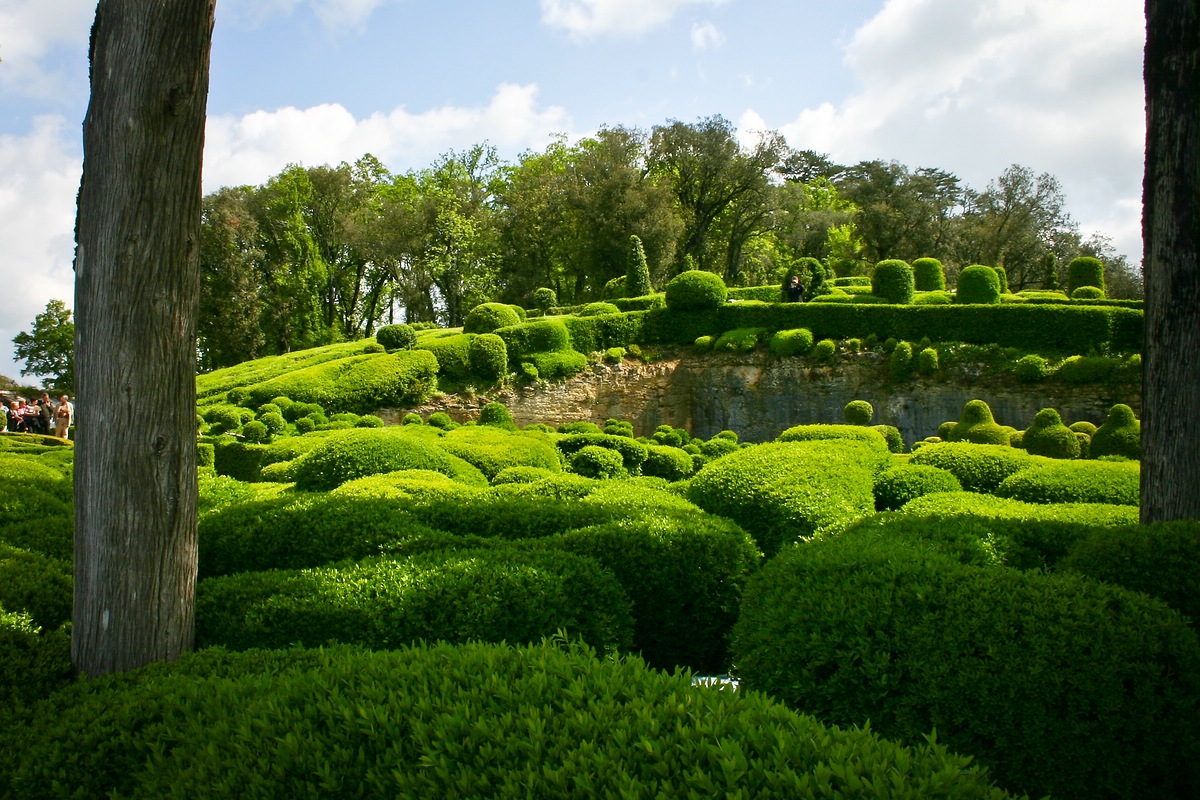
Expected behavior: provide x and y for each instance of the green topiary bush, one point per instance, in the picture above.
(792, 342)
(978, 284)
(544, 299)
(1075, 482)
(35, 662)
(928, 275)
(1048, 436)
(397, 337)
(891, 435)
(1085, 271)
(978, 467)
(488, 356)
(274, 422)
(632, 453)
(1120, 435)
(492, 448)
(487, 317)
(1046, 680)
(255, 431)
(668, 462)
(36, 584)
(896, 486)
(858, 412)
(892, 279)
(1031, 368)
(637, 271)
(977, 426)
(1087, 293)
(824, 351)
(597, 309)
(369, 451)
(900, 362)
(498, 594)
(738, 340)
(695, 290)
(594, 461)
(450, 721)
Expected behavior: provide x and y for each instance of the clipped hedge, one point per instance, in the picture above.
(695, 290)
(538, 336)
(892, 279)
(1119, 435)
(453, 354)
(793, 342)
(487, 317)
(358, 384)
(494, 594)
(896, 486)
(397, 337)
(784, 491)
(977, 426)
(928, 275)
(978, 467)
(633, 453)
(34, 662)
(370, 451)
(1049, 437)
(492, 450)
(1075, 482)
(488, 357)
(1059, 685)
(978, 284)
(476, 720)
(36, 584)
(667, 462)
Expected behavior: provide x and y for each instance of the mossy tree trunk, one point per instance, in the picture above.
(136, 291)
(1171, 229)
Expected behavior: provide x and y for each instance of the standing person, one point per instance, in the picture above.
(64, 415)
(795, 290)
(16, 422)
(46, 410)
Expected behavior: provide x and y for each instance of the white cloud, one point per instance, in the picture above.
(975, 87)
(30, 32)
(585, 19)
(37, 223)
(251, 148)
(706, 35)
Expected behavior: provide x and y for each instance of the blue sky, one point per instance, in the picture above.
(969, 87)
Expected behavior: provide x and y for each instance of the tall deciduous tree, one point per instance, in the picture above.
(48, 350)
(1171, 232)
(136, 289)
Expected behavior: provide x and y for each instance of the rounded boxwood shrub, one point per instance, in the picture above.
(1120, 435)
(595, 461)
(36, 584)
(597, 309)
(493, 448)
(892, 279)
(668, 462)
(928, 275)
(891, 435)
(896, 486)
(1075, 482)
(223, 418)
(858, 412)
(440, 419)
(1047, 680)
(1083, 426)
(274, 422)
(255, 431)
(784, 491)
(792, 342)
(977, 426)
(1031, 368)
(1048, 436)
(497, 594)
(695, 290)
(633, 453)
(900, 362)
(369, 451)
(488, 357)
(369, 421)
(446, 721)
(978, 467)
(978, 284)
(36, 663)
(1085, 271)
(397, 337)
(544, 298)
(487, 317)
(1087, 293)
(928, 361)
(824, 350)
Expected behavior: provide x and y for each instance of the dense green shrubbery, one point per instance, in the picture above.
(600, 463)
(1048, 436)
(453, 354)
(359, 384)
(977, 426)
(1087, 293)
(1085, 271)
(978, 467)
(792, 342)
(488, 357)
(446, 721)
(487, 317)
(738, 340)
(538, 336)
(896, 486)
(1031, 368)
(1057, 684)
(868, 437)
(667, 462)
(544, 298)
(495, 594)
(900, 362)
(632, 453)
(1075, 482)
(34, 663)
(36, 511)
(783, 491)
(978, 284)
(928, 275)
(1120, 435)
(892, 279)
(36, 584)
(361, 452)
(397, 337)
(492, 450)
(597, 309)
(695, 290)
(858, 412)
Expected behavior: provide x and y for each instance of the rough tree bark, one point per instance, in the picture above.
(136, 294)
(1171, 233)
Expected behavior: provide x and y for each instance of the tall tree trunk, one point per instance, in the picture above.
(137, 290)
(1171, 230)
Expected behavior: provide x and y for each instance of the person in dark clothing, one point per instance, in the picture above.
(795, 290)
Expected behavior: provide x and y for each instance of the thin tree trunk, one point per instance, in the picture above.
(1171, 230)
(137, 291)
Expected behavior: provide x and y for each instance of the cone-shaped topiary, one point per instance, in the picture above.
(978, 284)
(977, 425)
(892, 279)
(637, 274)
(928, 275)
(1120, 435)
(1048, 436)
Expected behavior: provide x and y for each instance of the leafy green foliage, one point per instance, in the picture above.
(492, 449)
(896, 486)
(695, 290)
(595, 461)
(978, 284)
(396, 337)
(371, 451)
(892, 279)
(977, 426)
(978, 467)
(1046, 680)
(738, 340)
(36, 584)
(1120, 435)
(1075, 482)
(359, 383)
(34, 662)
(48, 350)
(487, 317)
(1085, 271)
(667, 462)
(637, 270)
(928, 275)
(1048, 436)
(1031, 368)
(597, 309)
(793, 342)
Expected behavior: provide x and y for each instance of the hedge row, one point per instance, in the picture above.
(449, 721)
(358, 384)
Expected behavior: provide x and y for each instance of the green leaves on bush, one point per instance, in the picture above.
(695, 290)
(370, 451)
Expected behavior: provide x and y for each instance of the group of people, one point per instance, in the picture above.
(39, 416)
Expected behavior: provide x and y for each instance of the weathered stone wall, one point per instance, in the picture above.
(759, 396)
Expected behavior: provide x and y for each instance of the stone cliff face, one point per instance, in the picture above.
(759, 396)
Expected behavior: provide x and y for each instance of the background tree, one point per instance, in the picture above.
(902, 214)
(136, 290)
(48, 349)
(229, 328)
(1170, 230)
